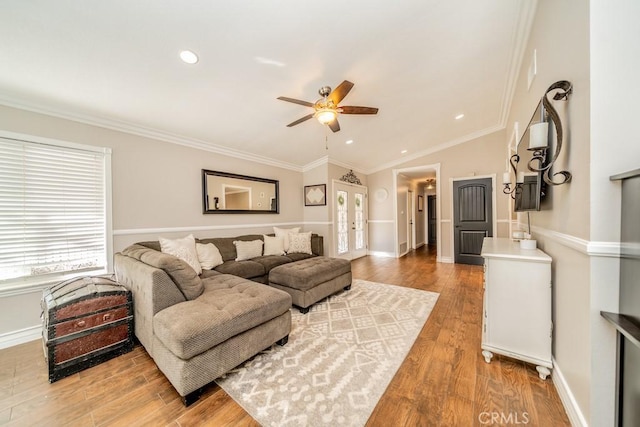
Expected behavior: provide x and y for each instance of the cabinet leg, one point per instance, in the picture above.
(487, 356)
(543, 372)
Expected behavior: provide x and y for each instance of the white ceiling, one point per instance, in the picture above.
(421, 62)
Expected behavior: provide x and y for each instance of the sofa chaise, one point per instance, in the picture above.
(197, 327)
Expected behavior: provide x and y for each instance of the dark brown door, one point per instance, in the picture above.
(431, 220)
(473, 218)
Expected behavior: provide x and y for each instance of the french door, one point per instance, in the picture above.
(350, 220)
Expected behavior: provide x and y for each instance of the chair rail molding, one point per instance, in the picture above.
(598, 249)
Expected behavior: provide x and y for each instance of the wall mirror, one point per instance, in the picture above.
(224, 192)
(531, 187)
(537, 151)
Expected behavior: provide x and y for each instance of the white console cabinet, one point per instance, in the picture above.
(517, 303)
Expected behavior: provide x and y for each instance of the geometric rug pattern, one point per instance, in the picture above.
(339, 360)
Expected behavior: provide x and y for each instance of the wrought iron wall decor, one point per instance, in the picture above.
(513, 161)
(539, 161)
(351, 178)
(540, 153)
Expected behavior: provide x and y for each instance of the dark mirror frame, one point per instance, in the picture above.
(532, 191)
(208, 209)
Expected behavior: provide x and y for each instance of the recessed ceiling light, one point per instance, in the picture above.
(269, 61)
(459, 116)
(350, 141)
(189, 57)
(403, 151)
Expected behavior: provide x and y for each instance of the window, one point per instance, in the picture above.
(53, 209)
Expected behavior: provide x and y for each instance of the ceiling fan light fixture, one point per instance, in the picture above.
(325, 115)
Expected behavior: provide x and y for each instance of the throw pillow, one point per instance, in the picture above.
(184, 248)
(248, 250)
(284, 233)
(300, 243)
(273, 245)
(208, 255)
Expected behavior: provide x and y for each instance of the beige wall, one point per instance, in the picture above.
(157, 185)
(562, 50)
(614, 60)
(597, 51)
(156, 189)
(482, 156)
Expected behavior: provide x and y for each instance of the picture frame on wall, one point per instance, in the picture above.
(315, 195)
(420, 203)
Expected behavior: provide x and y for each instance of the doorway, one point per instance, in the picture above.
(350, 219)
(432, 237)
(472, 218)
(416, 179)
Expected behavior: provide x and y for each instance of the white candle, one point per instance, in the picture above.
(538, 135)
(506, 178)
(520, 179)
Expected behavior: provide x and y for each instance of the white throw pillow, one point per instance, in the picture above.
(248, 250)
(300, 243)
(273, 245)
(184, 248)
(208, 255)
(284, 233)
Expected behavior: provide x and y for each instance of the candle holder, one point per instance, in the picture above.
(517, 187)
(537, 161)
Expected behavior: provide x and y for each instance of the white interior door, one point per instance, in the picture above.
(350, 220)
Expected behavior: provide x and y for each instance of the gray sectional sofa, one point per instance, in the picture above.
(198, 327)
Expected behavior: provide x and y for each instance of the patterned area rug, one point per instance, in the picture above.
(340, 358)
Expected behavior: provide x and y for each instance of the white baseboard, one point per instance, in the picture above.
(382, 254)
(445, 259)
(21, 336)
(576, 417)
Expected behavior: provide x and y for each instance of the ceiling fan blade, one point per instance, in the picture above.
(296, 101)
(340, 92)
(303, 119)
(358, 110)
(334, 125)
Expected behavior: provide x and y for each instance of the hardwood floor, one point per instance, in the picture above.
(444, 380)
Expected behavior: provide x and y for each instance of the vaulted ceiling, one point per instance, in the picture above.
(421, 62)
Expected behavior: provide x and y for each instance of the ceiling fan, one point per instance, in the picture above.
(327, 109)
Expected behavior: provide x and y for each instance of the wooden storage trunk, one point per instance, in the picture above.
(86, 321)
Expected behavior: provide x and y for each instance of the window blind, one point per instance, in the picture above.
(52, 210)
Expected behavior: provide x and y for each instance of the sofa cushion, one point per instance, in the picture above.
(228, 306)
(183, 248)
(299, 256)
(208, 256)
(271, 261)
(308, 273)
(284, 233)
(180, 272)
(226, 246)
(247, 269)
(300, 243)
(248, 250)
(273, 245)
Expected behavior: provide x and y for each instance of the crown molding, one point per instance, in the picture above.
(321, 161)
(520, 40)
(134, 129)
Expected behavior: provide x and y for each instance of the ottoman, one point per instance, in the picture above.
(312, 279)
